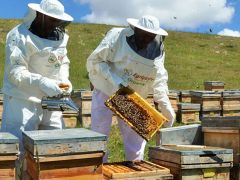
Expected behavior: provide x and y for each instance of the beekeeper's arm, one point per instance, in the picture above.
(160, 88)
(98, 61)
(18, 53)
(64, 74)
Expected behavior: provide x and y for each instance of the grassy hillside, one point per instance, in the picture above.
(191, 58)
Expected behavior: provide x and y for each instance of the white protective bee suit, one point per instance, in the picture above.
(112, 63)
(33, 68)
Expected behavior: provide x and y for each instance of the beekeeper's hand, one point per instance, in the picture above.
(66, 86)
(50, 86)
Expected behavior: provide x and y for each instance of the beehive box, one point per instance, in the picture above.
(231, 103)
(174, 99)
(193, 161)
(64, 153)
(136, 112)
(83, 98)
(223, 132)
(70, 119)
(8, 155)
(209, 100)
(133, 170)
(213, 113)
(214, 86)
(185, 96)
(187, 134)
(188, 113)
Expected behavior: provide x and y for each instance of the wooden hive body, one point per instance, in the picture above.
(210, 102)
(224, 132)
(214, 86)
(69, 153)
(8, 155)
(193, 161)
(231, 103)
(188, 112)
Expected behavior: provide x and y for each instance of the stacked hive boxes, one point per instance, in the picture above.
(83, 98)
(193, 161)
(70, 153)
(210, 102)
(231, 103)
(224, 132)
(8, 155)
(174, 99)
(188, 113)
(214, 86)
(181, 150)
(185, 96)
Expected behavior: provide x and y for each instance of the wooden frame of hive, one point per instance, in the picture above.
(143, 104)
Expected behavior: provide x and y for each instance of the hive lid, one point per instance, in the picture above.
(189, 106)
(214, 83)
(231, 93)
(205, 93)
(185, 92)
(185, 150)
(221, 121)
(7, 138)
(63, 135)
(133, 105)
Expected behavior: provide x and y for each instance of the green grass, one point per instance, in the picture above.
(191, 59)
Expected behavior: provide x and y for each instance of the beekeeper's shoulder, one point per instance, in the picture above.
(114, 34)
(16, 35)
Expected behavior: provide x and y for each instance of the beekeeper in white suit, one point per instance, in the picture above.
(36, 65)
(132, 56)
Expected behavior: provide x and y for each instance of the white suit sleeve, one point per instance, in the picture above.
(64, 73)
(160, 88)
(17, 65)
(98, 62)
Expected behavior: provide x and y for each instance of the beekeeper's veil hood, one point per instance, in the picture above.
(52, 8)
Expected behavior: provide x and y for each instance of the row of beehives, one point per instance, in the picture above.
(86, 96)
(189, 106)
(211, 149)
(73, 154)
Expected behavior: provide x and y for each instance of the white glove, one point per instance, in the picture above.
(117, 82)
(66, 86)
(50, 86)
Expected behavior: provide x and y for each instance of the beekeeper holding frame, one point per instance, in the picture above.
(134, 57)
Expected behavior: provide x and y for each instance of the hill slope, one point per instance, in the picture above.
(191, 58)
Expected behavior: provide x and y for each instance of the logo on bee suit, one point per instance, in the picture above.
(57, 65)
(52, 59)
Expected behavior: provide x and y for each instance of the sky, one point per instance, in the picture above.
(201, 16)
